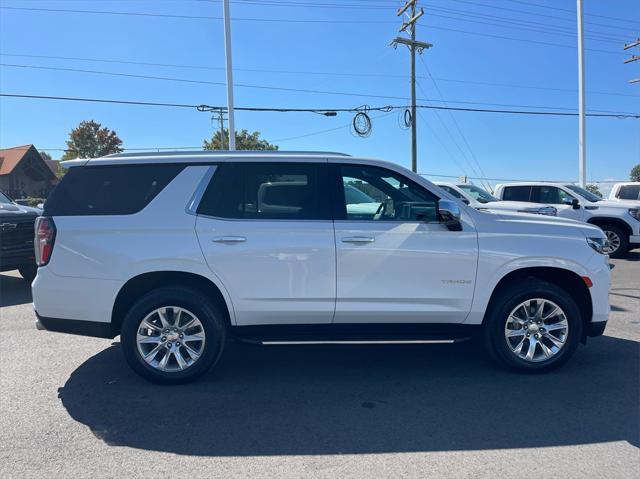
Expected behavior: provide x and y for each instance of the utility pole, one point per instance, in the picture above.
(227, 49)
(633, 58)
(219, 116)
(582, 167)
(409, 9)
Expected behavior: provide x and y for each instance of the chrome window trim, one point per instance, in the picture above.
(196, 198)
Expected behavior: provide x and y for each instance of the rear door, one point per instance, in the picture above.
(395, 262)
(266, 231)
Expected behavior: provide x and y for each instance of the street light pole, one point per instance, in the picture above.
(227, 49)
(582, 138)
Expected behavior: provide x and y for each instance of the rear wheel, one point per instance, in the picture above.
(618, 240)
(534, 326)
(173, 335)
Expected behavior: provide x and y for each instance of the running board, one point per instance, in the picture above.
(359, 342)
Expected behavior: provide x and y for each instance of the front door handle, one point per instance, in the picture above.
(358, 239)
(229, 239)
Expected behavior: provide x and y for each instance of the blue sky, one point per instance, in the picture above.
(486, 52)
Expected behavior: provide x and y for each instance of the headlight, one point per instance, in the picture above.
(635, 212)
(601, 245)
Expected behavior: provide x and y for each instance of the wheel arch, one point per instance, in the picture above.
(565, 279)
(601, 221)
(141, 284)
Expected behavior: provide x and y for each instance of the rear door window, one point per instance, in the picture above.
(109, 190)
(290, 191)
(517, 193)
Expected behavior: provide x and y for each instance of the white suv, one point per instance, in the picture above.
(619, 220)
(483, 200)
(176, 252)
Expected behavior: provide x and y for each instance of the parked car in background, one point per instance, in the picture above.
(481, 199)
(620, 220)
(175, 252)
(627, 191)
(16, 237)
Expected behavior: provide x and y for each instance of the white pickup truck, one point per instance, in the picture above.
(482, 200)
(627, 191)
(620, 220)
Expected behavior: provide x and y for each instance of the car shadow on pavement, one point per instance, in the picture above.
(14, 290)
(292, 400)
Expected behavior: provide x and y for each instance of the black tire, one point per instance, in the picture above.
(509, 298)
(28, 273)
(192, 300)
(623, 248)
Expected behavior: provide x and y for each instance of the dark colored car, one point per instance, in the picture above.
(16, 237)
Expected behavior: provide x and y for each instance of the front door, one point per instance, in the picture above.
(560, 199)
(395, 262)
(266, 232)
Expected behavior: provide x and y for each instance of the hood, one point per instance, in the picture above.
(513, 205)
(526, 223)
(616, 203)
(12, 210)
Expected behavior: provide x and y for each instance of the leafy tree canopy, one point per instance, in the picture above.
(595, 189)
(91, 140)
(635, 173)
(244, 141)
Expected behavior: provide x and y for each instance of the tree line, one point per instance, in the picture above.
(91, 140)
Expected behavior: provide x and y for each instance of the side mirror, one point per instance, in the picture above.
(465, 201)
(575, 204)
(449, 213)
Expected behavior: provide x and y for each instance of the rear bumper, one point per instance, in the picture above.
(74, 326)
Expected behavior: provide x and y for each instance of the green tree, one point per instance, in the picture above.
(244, 141)
(91, 140)
(635, 173)
(595, 189)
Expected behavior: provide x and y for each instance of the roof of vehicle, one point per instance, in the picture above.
(197, 156)
(627, 183)
(534, 183)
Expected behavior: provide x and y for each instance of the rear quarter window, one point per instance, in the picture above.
(109, 190)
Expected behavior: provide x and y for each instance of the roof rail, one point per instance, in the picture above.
(223, 153)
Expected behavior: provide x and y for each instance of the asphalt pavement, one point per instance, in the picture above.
(71, 407)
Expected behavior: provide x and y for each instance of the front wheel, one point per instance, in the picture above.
(618, 241)
(534, 326)
(172, 335)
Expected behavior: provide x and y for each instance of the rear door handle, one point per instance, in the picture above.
(229, 239)
(358, 239)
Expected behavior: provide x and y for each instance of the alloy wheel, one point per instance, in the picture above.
(170, 339)
(613, 242)
(536, 330)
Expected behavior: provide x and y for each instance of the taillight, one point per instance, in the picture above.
(45, 237)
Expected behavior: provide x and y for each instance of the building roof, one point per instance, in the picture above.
(11, 157)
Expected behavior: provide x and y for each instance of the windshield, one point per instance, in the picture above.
(478, 194)
(587, 195)
(4, 198)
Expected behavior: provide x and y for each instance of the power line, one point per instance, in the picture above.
(455, 122)
(315, 110)
(314, 73)
(275, 88)
(636, 22)
(303, 21)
